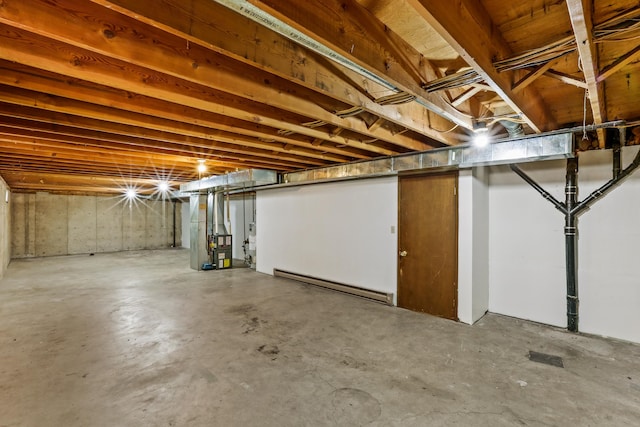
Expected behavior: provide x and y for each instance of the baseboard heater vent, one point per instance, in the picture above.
(382, 297)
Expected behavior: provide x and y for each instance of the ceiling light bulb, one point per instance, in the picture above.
(131, 193)
(202, 167)
(163, 186)
(481, 139)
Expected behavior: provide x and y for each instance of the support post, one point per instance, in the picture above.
(571, 243)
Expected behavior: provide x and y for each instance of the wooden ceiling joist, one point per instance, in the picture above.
(116, 38)
(81, 98)
(126, 87)
(345, 27)
(31, 50)
(468, 28)
(26, 180)
(221, 30)
(582, 23)
(56, 132)
(618, 64)
(64, 111)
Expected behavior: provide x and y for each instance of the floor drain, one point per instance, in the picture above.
(547, 359)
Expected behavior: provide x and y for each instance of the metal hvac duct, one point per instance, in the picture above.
(527, 149)
(245, 8)
(241, 179)
(514, 129)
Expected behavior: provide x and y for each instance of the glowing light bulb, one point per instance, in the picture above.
(202, 167)
(163, 186)
(131, 193)
(481, 139)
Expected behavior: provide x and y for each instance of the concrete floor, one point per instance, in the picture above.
(139, 339)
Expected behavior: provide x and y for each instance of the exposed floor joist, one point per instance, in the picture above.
(582, 23)
(467, 27)
(285, 85)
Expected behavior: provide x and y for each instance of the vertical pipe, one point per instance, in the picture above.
(571, 243)
(215, 212)
(228, 211)
(617, 162)
(174, 224)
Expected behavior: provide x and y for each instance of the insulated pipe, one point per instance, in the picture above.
(571, 240)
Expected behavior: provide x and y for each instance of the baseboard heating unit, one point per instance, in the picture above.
(381, 297)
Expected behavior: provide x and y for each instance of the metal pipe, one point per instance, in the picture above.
(572, 209)
(571, 239)
(228, 212)
(174, 224)
(215, 212)
(602, 191)
(559, 205)
(514, 129)
(617, 162)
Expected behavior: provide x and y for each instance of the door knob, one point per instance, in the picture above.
(403, 253)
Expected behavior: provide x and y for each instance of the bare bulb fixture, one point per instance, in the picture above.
(163, 186)
(481, 139)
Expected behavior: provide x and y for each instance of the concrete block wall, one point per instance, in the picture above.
(46, 224)
(5, 226)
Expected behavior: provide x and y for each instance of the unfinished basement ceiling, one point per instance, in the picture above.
(96, 96)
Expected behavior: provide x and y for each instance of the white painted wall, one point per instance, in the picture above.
(526, 245)
(473, 244)
(335, 231)
(240, 221)
(511, 242)
(609, 281)
(526, 241)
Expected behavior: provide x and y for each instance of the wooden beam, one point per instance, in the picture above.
(107, 100)
(119, 75)
(468, 28)
(113, 38)
(129, 149)
(618, 64)
(26, 180)
(466, 95)
(379, 122)
(28, 120)
(566, 78)
(532, 76)
(137, 125)
(221, 30)
(582, 23)
(350, 30)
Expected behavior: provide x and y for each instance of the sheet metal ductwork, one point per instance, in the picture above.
(514, 129)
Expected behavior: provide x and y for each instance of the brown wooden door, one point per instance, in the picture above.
(428, 244)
